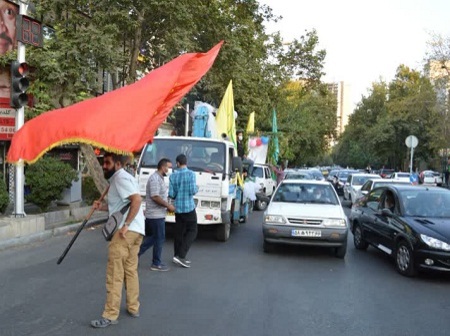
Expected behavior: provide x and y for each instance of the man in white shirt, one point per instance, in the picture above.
(124, 246)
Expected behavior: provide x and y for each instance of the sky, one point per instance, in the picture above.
(365, 40)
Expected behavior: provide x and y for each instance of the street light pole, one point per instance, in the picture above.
(19, 210)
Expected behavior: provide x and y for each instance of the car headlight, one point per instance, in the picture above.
(274, 219)
(435, 243)
(334, 222)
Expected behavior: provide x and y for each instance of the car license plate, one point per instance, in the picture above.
(306, 233)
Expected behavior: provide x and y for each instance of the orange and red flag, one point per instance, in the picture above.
(123, 120)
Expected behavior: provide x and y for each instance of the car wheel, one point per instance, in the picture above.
(261, 205)
(340, 252)
(358, 239)
(404, 259)
(223, 232)
(267, 247)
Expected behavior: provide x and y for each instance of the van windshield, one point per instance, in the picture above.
(205, 156)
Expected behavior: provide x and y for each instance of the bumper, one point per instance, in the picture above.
(440, 260)
(282, 234)
(204, 217)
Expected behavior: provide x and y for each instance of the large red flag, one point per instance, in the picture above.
(123, 120)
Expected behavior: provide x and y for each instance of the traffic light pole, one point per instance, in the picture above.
(19, 210)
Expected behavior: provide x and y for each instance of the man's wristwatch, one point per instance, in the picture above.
(126, 224)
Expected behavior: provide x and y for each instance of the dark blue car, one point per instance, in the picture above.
(410, 223)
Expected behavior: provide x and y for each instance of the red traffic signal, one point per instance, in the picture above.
(19, 84)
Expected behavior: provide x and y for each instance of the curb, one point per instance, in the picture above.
(44, 235)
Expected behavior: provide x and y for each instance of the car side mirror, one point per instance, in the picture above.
(364, 192)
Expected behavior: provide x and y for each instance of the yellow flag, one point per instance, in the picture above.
(225, 122)
(251, 123)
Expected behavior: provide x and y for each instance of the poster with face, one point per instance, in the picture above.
(8, 42)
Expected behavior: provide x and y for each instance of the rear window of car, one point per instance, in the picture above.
(403, 175)
(298, 176)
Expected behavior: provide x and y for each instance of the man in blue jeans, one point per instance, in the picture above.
(182, 188)
(156, 205)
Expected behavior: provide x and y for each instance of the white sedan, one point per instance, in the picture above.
(305, 212)
(375, 183)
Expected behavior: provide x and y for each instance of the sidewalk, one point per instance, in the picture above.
(37, 226)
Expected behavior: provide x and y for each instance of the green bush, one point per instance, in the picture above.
(4, 196)
(47, 179)
(89, 190)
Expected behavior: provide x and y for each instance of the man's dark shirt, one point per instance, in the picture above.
(240, 148)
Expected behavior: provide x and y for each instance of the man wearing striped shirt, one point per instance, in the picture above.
(182, 188)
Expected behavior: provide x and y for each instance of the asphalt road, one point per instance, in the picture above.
(232, 288)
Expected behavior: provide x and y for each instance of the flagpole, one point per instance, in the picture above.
(186, 126)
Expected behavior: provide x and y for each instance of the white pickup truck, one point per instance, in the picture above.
(219, 199)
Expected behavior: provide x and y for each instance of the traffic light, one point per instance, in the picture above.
(19, 84)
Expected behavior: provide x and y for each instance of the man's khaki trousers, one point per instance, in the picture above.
(122, 265)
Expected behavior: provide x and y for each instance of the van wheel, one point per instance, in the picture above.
(223, 232)
(261, 205)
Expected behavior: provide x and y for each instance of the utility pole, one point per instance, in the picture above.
(28, 31)
(19, 210)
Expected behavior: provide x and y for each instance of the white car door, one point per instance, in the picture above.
(270, 183)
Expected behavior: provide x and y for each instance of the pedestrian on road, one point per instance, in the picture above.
(279, 172)
(124, 246)
(156, 204)
(182, 188)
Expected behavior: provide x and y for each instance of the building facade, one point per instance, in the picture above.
(344, 105)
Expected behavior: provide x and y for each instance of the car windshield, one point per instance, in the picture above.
(305, 193)
(403, 175)
(422, 202)
(207, 156)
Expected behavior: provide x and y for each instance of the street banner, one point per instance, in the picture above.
(120, 121)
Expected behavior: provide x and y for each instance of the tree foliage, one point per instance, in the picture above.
(378, 128)
(47, 179)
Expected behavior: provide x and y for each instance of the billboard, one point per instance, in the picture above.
(8, 42)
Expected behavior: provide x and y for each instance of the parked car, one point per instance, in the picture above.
(299, 175)
(354, 183)
(409, 223)
(375, 183)
(340, 178)
(332, 174)
(263, 176)
(399, 176)
(429, 177)
(385, 172)
(305, 212)
(317, 174)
